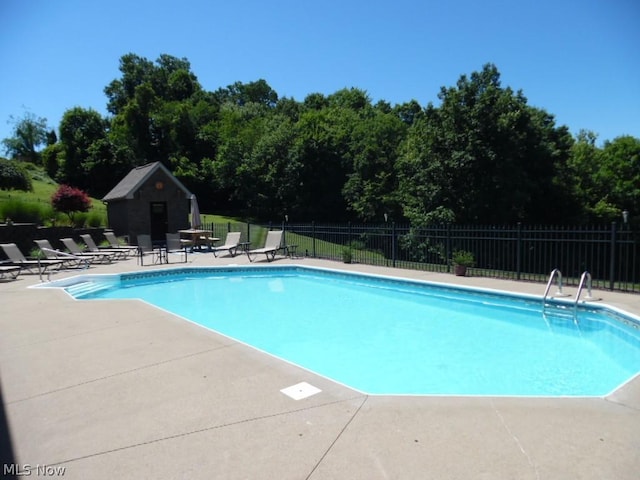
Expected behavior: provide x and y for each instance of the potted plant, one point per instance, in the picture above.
(347, 254)
(462, 259)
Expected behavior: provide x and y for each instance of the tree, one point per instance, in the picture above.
(83, 134)
(253, 92)
(30, 132)
(70, 200)
(52, 158)
(484, 155)
(371, 186)
(579, 177)
(618, 177)
(408, 112)
(13, 176)
(153, 105)
(135, 71)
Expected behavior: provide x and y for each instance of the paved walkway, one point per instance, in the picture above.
(120, 389)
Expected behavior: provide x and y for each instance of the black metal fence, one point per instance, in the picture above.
(519, 252)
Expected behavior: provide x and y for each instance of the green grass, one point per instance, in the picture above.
(324, 249)
(35, 206)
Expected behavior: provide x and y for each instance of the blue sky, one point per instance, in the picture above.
(577, 59)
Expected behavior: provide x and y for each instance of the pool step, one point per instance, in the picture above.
(81, 289)
(560, 316)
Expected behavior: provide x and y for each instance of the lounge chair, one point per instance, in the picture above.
(272, 244)
(118, 253)
(31, 265)
(231, 244)
(175, 246)
(9, 272)
(115, 244)
(75, 249)
(69, 260)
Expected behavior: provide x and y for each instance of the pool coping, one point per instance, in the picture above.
(101, 391)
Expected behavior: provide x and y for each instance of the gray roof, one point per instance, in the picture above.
(128, 186)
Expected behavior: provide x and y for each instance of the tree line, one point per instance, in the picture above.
(483, 155)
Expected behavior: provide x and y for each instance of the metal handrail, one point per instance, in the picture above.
(554, 273)
(585, 276)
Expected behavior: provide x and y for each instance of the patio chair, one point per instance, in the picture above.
(175, 246)
(9, 272)
(118, 253)
(69, 260)
(115, 244)
(231, 244)
(97, 257)
(145, 247)
(272, 244)
(16, 258)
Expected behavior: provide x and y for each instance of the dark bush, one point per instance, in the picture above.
(70, 200)
(13, 176)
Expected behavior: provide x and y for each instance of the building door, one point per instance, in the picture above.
(159, 221)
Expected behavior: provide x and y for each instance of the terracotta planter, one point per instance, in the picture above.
(460, 270)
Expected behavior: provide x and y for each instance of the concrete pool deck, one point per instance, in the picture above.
(120, 389)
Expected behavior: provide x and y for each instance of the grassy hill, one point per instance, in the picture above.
(35, 206)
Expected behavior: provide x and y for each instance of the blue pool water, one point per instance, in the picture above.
(387, 336)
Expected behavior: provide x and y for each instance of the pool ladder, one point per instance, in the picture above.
(585, 279)
(555, 273)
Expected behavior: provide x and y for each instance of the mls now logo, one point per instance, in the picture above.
(26, 470)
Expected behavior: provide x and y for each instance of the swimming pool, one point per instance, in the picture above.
(385, 335)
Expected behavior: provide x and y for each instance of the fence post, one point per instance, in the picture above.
(284, 232)
(313, 239)
(248, 232)
(519, 251)
(393, 244)
(448, 247)
(612, 257)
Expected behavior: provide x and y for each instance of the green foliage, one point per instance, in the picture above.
(347, 254)
(370, 187)
(36, 253)
(95, 219)
(35, 206)
(604, 181)
(482, 156)
(463, 258)
(52, 158)
(14, 176)
(86, 151)
(29, 132)
(70, 200)
(21, 212)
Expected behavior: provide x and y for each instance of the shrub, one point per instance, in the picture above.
(463, 258)
(22, 212)
(95, 219)
(70, 200)
(79, 220)
(13, 176)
